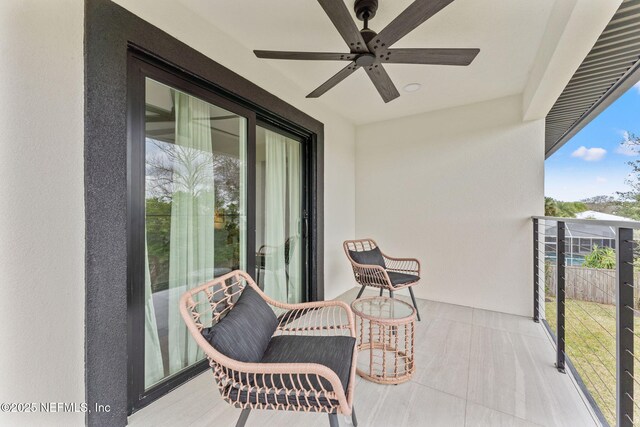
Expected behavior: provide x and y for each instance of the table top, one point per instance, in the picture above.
(383, 309)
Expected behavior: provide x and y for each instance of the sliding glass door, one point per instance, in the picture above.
(195, 214)
(210, 191)
(280, 214)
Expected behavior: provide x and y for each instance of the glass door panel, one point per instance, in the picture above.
(279, 216)
(195, 214)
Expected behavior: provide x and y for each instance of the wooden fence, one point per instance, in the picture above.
(588, 284)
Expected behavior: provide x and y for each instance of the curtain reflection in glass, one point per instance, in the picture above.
(195, 217)
(278, 216)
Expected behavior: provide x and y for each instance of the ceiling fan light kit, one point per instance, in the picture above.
(370, 50)
(412, 87)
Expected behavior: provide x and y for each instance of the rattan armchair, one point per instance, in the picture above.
(309, 387)
(372, 267)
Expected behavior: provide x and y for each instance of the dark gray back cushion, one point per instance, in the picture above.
(244, 333)
(371, 257)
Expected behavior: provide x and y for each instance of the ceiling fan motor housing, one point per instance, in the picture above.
(365, 9)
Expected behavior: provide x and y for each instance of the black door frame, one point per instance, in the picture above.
(110, 32)
(140, 67)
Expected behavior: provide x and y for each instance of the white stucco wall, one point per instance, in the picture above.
(455, 188)
(41, 208)
(198, 32)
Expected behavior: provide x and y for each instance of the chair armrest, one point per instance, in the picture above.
(403, 265)
(315, 318)
(371, 275)
(294, 379)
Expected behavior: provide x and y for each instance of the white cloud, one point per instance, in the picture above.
(601, 179)
(626, 148)
(589, 154)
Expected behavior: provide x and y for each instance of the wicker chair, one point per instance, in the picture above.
(371, 267)
(305, 383)
(266, 251)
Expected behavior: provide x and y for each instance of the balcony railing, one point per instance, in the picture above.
(588, 301)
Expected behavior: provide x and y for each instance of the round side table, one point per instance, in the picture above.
(385, 329)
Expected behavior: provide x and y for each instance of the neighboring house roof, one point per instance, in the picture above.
(582, 230)
(610, 69)
(601, 216)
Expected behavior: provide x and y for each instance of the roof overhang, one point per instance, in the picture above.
(610, 68)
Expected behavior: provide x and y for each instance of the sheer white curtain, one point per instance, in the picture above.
(282, 278)
(275, 211)
(153, 366)
(242, 203)
(191, 260)
(295, 222)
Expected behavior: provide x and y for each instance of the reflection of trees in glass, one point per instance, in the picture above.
(171, 169)
(158, 218)
(227, 236)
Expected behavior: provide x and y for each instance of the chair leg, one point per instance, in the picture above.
(381, 289)
(390, 293)
(333, 420)
(354, 420)
(413, 298)
(361, 291)
(243, 417)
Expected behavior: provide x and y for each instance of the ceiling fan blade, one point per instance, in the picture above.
(340, 76)
(414, 15)
(431, 56)
(383, 83)
(307, 56)
(341, 18)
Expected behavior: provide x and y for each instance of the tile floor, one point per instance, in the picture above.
(473, 368)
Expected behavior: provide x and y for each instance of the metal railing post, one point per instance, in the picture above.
(560, 294)
(536, 273)
(624, 328)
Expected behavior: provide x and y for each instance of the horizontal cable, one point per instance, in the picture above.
(606, 386)
(594, 388)
(584, 278)
(613, 375)
(594, 319)
(632, 354)
(592, 333)
(635, 311)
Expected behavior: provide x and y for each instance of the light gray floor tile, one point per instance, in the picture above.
(441, 310)
(514, 374)
(481, 416)
(507, 322)
(408, 404)
(442, 355)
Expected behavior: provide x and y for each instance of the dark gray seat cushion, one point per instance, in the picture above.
(333, 352)
(244, 333)
(398, 279)
(371, 257)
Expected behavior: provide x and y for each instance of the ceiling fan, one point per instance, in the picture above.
(370, 50)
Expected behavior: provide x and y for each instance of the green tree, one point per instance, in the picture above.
(601, 257)
(630, 200)
(554, 207)
(550, 207)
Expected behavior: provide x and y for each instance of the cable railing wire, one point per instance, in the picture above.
(589, 333)
(595, 371)
(597, 322)
(595, 354)
(593, 334)
(593, 387)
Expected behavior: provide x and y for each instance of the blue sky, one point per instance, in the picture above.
(594, 161)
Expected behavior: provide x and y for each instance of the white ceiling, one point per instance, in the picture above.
(508, 33)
